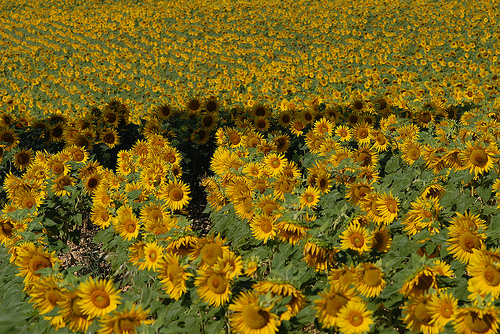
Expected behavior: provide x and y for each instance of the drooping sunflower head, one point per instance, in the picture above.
(209, 249)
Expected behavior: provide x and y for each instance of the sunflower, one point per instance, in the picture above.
(153, 253)
(230, 263)
(411, 151)
(443, 308)
(100, 216)
(209, 249)
(356, 237)
(369, 280)
(23, 159)
(98, 297)
(297, 127)
(475, 319)
(463, 239)
(343, 277)
(365, 156)
(263, 227)
(422, 215)
(343, 132)
(433, 191)
(354, 318)
(285, 117)
(331, 302)
(193, 104)
(291, 232)
(173, 275)
(124, 322)
(382, 240)
(261, 124)
(425, 278)
(46, 293)
(275, 163)
(282, 290)
(183, 244)
(418, 317)
(381, 142)
(310, 197)
(318, 256)
(250, 317)
(323, 127)
(387, 206)
(485, 272)
(60, 184)
(479, 158)
(31, 258)
(362, 133)
(175, 194)
(31, 199)
(71, 312)
(357, 190)
(8, 138)
(126, 223)
(213, 285)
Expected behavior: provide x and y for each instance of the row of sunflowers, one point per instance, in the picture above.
(354, 218)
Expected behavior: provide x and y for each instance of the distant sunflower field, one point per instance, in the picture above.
(251, 167)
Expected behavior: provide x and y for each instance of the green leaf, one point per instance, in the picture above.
(484, 192)
(392, 165)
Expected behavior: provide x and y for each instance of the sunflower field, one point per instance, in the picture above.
(251, 167)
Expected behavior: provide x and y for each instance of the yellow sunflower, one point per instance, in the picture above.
(71, 313)
(124, 322)
(310, 197)
(275, 163)
(443, 308)
(183, 244)
(126, 223)
(209, 249)
(214, 287)
(344, 277)
(98, 297)
(476, 319)
(356, 237)
(230, 263)
(173, 275)
(291, 232)
(464, 239)
(330, 303)
(361, 133)
(354, 318)
(343, 132)
(382, 240)
(250, 317)
(418, 316)
(46, 293)
(60, 184)
(23, 159)
(153, 253)
(485, 272)
(318, 256)
(283, 290)
(369, 280)
(387, 206)
(31, 258)
(479, 158)
(263, 227)
(175, 194)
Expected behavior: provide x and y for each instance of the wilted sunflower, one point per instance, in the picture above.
(98, 297)
(182, 244)
(331, 302)
(250, 317)
(291, 232)
(173, 275)
(317, 256)
(124, 322)
(175, 194)
(213, 285)
(354, 318)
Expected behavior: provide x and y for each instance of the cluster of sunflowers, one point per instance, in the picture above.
(353, 217)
